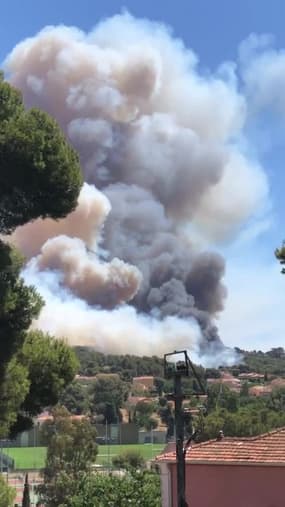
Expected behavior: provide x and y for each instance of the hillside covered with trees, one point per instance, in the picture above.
(129, 366)
(238, 411)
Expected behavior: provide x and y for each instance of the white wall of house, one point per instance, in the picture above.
(165, 484)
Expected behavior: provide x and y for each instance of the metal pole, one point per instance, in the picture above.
(180, 458)
(1, 456)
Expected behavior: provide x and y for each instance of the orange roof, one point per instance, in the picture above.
(146, 377)
(266, 449)
(251, 375)
(278, 382)
(45, 416)
(133, 400)
(260, 390)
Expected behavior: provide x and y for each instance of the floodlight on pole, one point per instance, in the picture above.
(177, 365)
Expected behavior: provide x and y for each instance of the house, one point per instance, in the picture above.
(233, 383)
(134, 400)
(229, 472)
(46, 416)
(252, 376)
(278, 383)
(260, 391)
(143, 383)
(85, 379)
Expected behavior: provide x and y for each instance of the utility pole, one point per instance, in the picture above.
(180, 456)
(178, 365)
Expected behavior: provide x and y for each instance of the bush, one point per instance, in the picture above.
(135, 489)
(129, 459)
(7, 494)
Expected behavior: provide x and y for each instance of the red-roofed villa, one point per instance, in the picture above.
(229, 472)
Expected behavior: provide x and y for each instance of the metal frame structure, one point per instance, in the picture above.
(177, 370)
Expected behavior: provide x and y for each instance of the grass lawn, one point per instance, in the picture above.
(34, 457)
(27, 457)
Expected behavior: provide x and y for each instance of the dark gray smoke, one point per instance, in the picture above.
(176, 281)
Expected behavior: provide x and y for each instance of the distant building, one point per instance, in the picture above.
(134, 400)
(230, 472)
(233, 383)
(46, 416)
(143, 383)
(277, 383)
(85, 379)
(251, 377)
(260, 391)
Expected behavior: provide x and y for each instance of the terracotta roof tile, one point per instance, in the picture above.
(268, 448)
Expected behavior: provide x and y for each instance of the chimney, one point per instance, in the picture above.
(220, 436)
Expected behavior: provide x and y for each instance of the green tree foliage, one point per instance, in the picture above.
(143, 415)
(219, 395)
(280, 255)
(127, 366)
(277, 400)
(107, 394)
(36, 162)
(246, 422)
(34, 379)
(7, 494)
(129, 460)
(135, 489)
(51, 365)
(240, 414)
(19, 304)
(39, 177)
(159, 385)
(166, 413)
(71, 450)
(76, 398)
(13, 390)
(271, 362)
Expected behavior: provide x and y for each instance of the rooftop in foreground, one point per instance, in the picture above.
(266, 449)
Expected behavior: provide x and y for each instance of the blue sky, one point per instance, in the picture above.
(213, 29)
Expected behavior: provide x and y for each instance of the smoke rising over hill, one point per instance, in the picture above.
(160, 152)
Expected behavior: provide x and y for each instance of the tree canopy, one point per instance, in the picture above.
(34, 379)
(7, 494)
(39, 177)
(135, 489)
(39, 171)
(71, 450)
(51, 367)
(280, 255)
(107, 394)
(19, 304)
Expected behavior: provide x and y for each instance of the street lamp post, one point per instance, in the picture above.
(177, 365)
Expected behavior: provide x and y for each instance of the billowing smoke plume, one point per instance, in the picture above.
(104, 284)
(84, 223)
(161, 144)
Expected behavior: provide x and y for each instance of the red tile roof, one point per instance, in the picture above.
(266, 449)
(46, 416)
(260, 390)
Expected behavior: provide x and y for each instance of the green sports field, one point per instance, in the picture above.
(34, 457)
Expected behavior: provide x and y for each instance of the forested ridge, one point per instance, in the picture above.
(129, 366)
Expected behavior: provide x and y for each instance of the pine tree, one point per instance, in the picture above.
(26, 494)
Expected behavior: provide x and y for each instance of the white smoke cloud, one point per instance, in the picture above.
(161, 152)
(263, 72)
(119, 330)
(127, 85)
